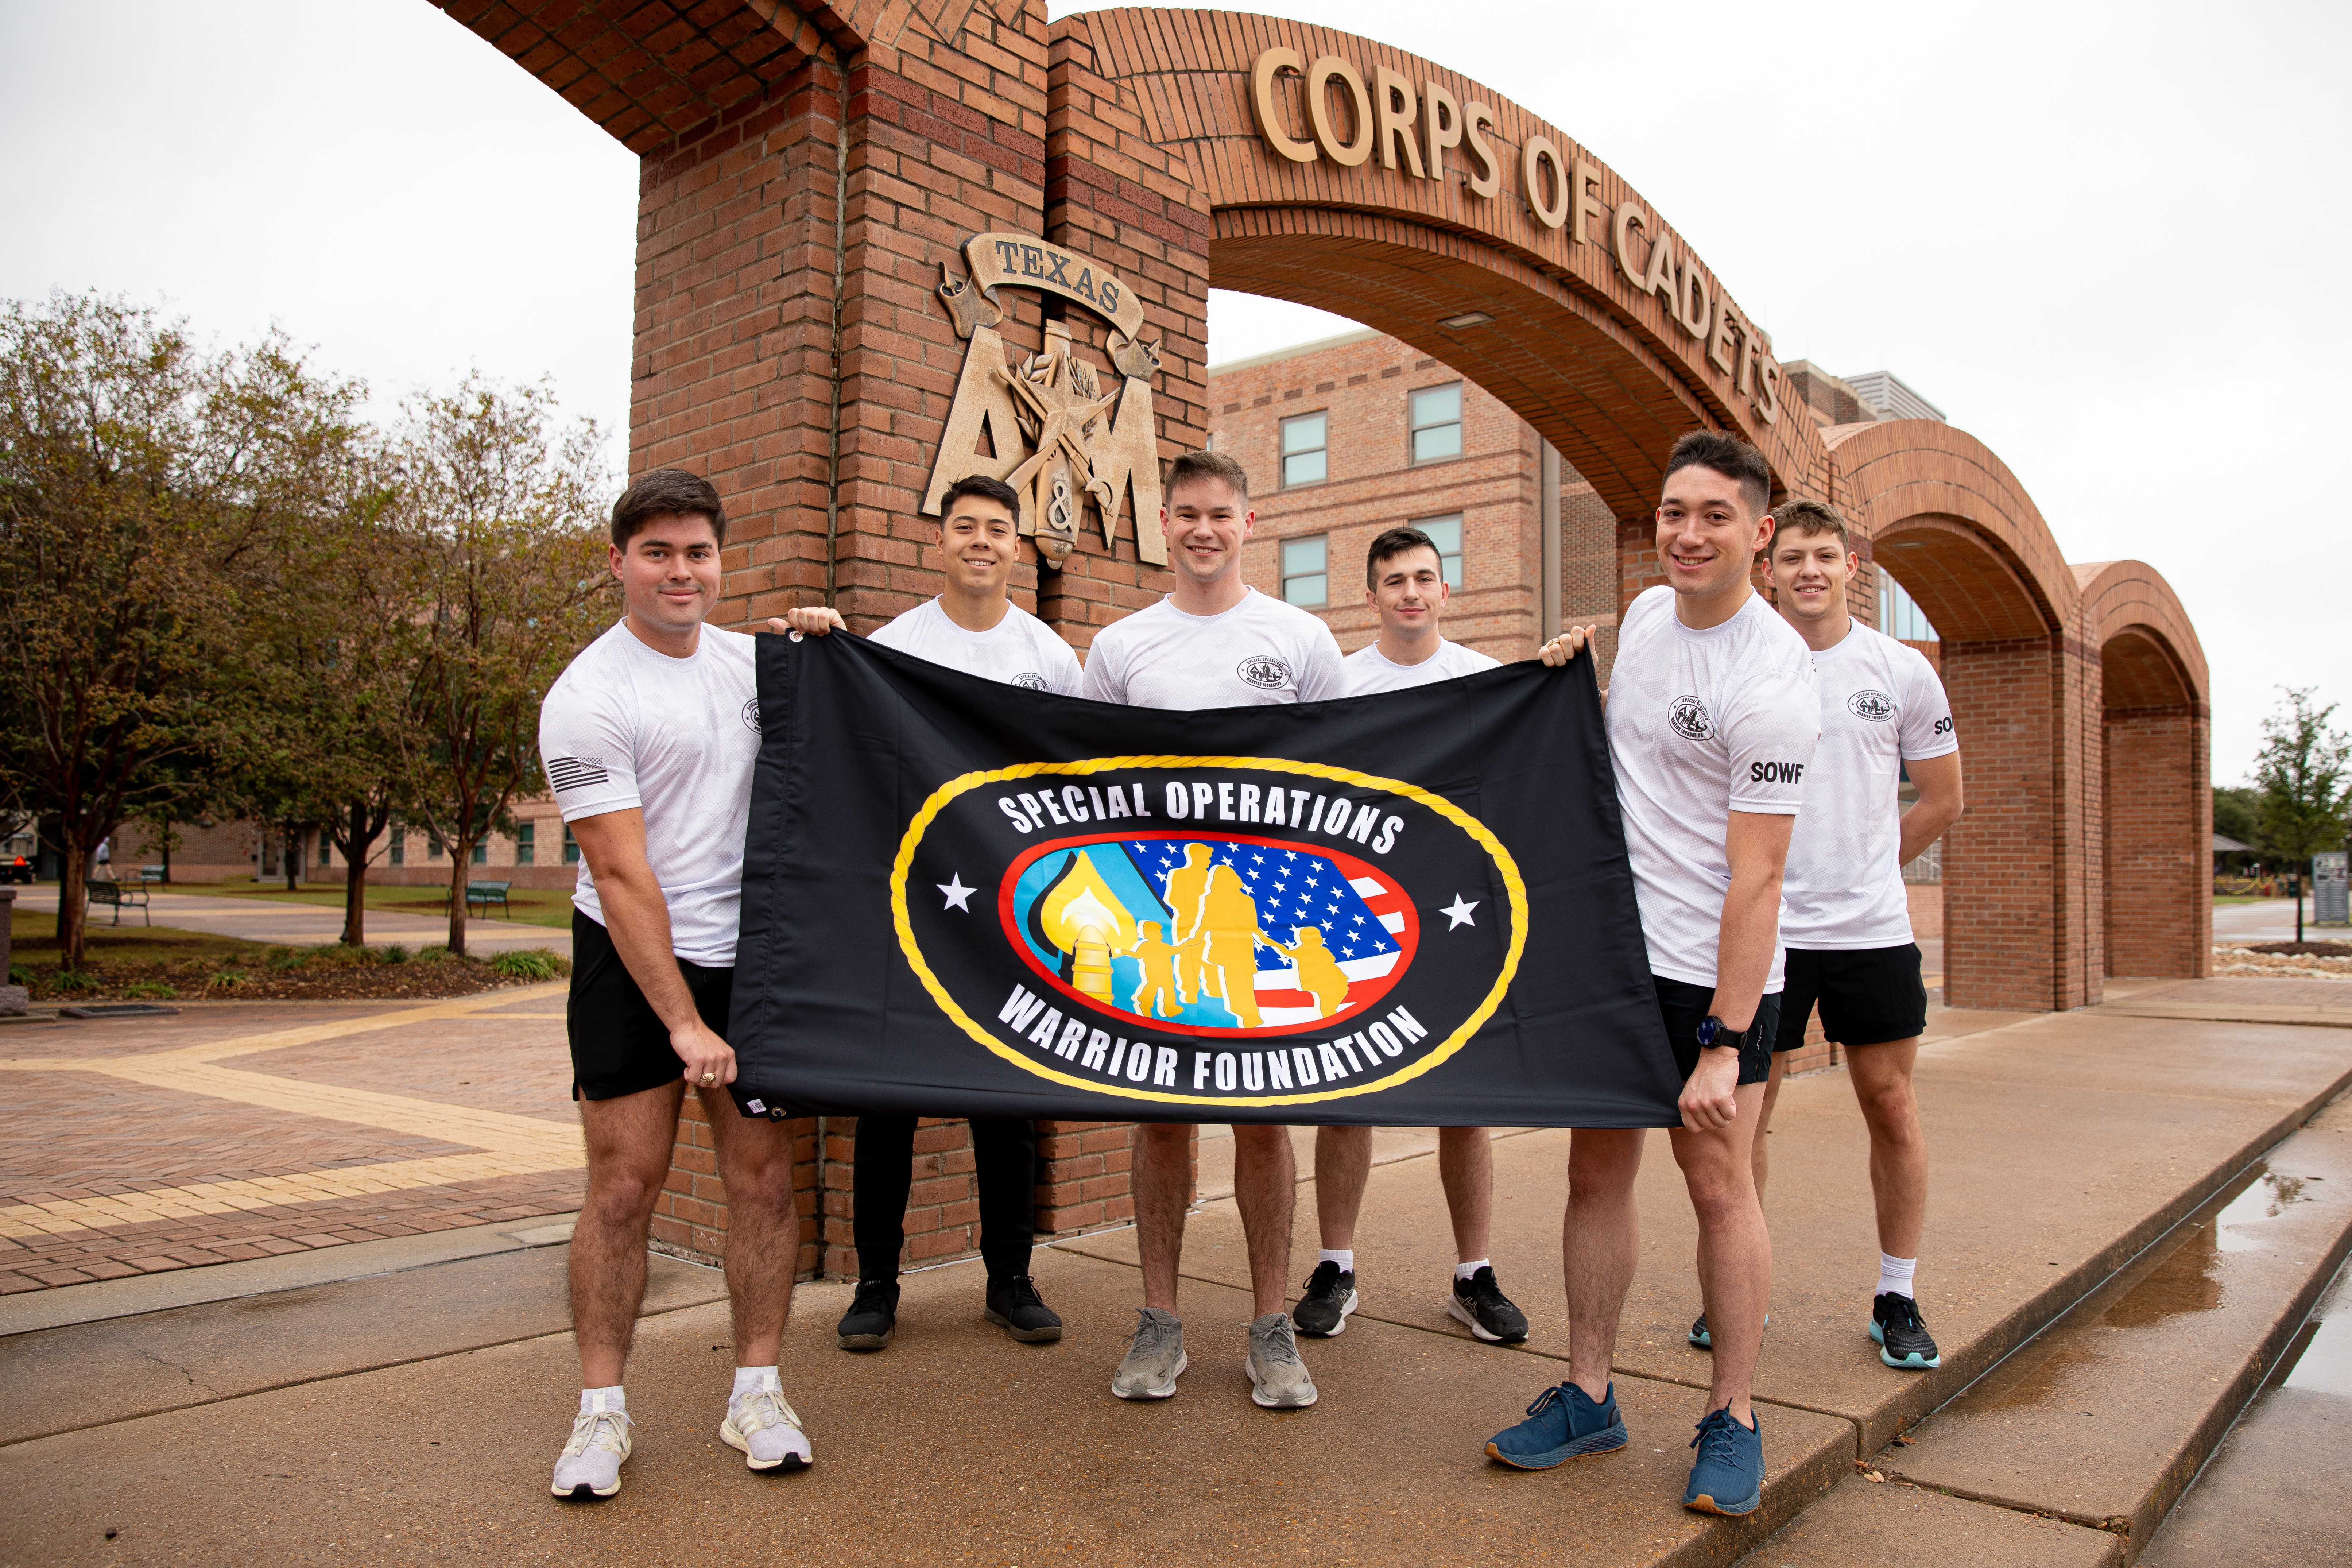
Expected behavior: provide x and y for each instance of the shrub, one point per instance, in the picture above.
(74, 980)
(394, 954)
(226, 980)
(532, 963)
(438, 952)
(20, 975)
(285, 959)
(154, 990)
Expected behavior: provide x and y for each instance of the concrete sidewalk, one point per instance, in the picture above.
(308, 925)
(412, 1418)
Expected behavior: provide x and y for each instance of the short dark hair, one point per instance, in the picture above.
(1733, 459)
(997, 491)
(667, 492)
(1194, 466)
(1393, 543)
(1811, 517)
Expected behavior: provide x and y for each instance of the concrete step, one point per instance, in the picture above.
(2098, 1423)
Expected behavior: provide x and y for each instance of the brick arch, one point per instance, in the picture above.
(1157, 125)
(2022, 904)
(2156, 733)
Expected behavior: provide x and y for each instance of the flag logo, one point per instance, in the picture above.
(1217, 934)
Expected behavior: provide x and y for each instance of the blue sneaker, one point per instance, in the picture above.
(1705, 1340)
(1563, 1424)
(1728, 1476)
(1904, 1341)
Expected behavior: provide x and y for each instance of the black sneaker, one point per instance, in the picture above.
(872, 1318)
(1015, 1306)
(1322, 1312)
(1479, 1301)
(1903, 1340)
(1705, 1340)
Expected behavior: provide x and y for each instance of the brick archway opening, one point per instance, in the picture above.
(2160, 914)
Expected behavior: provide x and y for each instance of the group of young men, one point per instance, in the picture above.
(1724, 719)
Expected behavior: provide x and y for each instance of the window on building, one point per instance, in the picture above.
(326, 848)
(482, 851)
(570, 847)
(526, 843)
(1437, 423)
(1304, 455)
(400, 846)
(433, 847)
(1446, 532)
(1306, 573)
(1899, 614)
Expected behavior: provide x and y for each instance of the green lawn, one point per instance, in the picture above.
(529, 906)
(33, 936)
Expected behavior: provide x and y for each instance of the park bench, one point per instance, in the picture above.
(152, 874)
(488, 893)
(119, 897)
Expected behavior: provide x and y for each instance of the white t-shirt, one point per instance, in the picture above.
(1020, 649)
(1370, 670)
(1881, 705)
(1701, 724)
(625, 726)
(1261, 651)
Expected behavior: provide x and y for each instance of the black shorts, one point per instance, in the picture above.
(619, 1044)
(1868, 995)
(1683, 1004)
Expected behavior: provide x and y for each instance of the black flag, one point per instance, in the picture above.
(963, 898)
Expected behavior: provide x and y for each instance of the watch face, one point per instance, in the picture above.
(1710, 1030)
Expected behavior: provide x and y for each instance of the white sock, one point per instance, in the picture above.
(595, 1399)
(1894, 1274)
(1345, 1258)
(1469, 1270)
(750, 1380)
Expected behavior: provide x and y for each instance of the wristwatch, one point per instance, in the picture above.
(1711, 1033)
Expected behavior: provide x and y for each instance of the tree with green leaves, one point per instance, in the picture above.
(504, 582)
(142, 482)
(2304, 783)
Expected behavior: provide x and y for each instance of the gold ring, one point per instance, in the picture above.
(710, 1077)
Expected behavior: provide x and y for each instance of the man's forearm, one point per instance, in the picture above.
(1743, 958)
(1923, 824)
(638, 920)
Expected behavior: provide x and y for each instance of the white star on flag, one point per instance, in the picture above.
(1459, 912)
(957, 892)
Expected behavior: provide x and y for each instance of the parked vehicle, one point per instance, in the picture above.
(19, 869)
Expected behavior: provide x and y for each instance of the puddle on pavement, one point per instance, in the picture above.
(2062, 1370)
(2320, 1360)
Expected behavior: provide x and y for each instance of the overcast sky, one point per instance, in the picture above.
(2109, 240)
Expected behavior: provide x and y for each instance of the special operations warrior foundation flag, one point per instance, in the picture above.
(965, 898)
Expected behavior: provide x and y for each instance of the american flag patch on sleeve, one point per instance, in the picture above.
(575, 772)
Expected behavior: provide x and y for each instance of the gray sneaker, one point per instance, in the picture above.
(1155, 1357)
(1277, 1377)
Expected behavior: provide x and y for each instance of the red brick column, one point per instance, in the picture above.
(2160, 916)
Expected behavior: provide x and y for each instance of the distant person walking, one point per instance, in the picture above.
(649, 738)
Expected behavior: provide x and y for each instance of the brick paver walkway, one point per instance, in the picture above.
(135, 1146)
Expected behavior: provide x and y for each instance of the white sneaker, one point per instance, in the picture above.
(590, 1465)
(1279, 1379)
(768, 1431)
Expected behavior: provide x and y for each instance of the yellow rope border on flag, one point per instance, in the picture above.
(1512, 882)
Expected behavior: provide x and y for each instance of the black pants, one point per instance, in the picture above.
(1004, 1154)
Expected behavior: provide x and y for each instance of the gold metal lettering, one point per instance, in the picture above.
(1394, 106)
(1584, 179)
(1659, 278)
(1694, 300)
(1532, 158)
(1270, 65)
(1319, 78)
(1440, 123)
(1474, 115)
(1719, 342)
(1630, 217)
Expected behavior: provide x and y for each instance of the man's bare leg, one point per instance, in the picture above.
(1763, 1158)
(1265, 1189)
(1600, 1237)
(1343, 1167)
(1164, 1191)
(1465, 1168)
(1735, 1251)
(755, 1164)
(1898, 1144)
(629, 1141)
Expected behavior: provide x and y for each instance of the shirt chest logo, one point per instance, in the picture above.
(751, 715)
(1688, 716)
(1875, 706)
(1264, 671)
(1031, 680)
